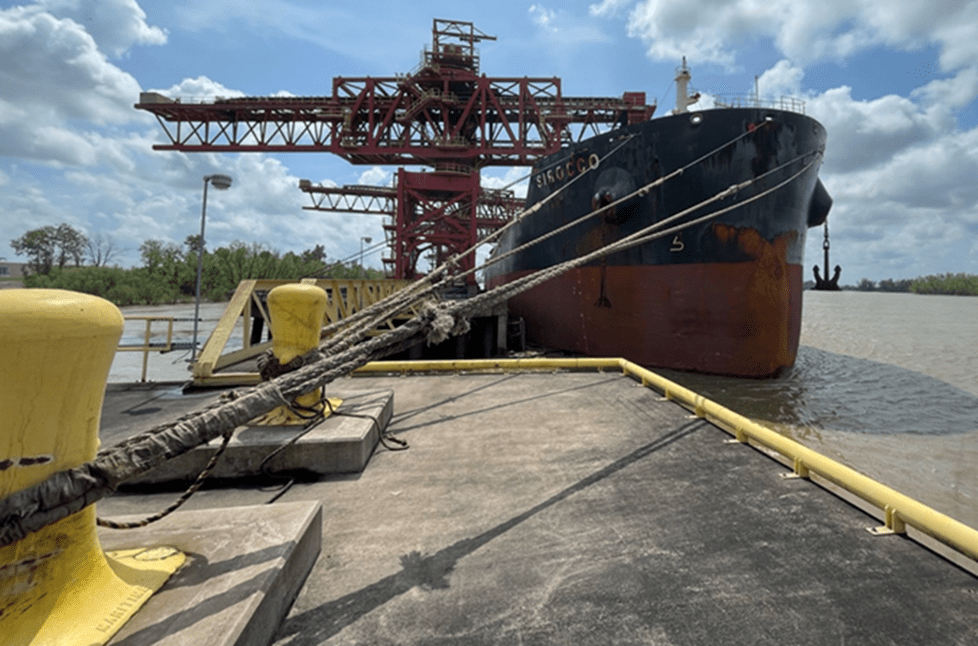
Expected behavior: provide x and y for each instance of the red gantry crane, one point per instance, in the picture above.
(444, 115)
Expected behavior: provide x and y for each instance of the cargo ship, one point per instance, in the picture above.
(723, 294)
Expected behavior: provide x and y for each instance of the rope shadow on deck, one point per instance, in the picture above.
(431, 571)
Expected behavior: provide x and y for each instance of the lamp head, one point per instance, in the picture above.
(220, 182)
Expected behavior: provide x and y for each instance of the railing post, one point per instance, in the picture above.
(56, 584)
(146, 338)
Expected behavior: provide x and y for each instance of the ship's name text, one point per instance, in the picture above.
(566, 171)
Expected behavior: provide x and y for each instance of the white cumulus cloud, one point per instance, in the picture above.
(57, 87)
(865, 133)
(376, 176)
(200, 88)
(116, 25)
(542, 16)
(784, 79)
(608, 8)
(806, 32)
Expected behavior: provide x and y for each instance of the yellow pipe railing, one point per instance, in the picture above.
(147, 345)
(898, 510)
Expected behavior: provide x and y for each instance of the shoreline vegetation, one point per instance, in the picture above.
(953, 284)
(948, 284)
(142, 286)
(169, 272)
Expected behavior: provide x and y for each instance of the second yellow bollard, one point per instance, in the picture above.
(297, 312)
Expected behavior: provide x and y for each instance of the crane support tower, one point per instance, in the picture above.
(444, 116)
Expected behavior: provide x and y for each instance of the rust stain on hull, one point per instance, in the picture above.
(771, 295)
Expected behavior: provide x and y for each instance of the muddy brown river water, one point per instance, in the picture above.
(885, 383)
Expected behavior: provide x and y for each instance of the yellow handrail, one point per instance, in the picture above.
(146, 345)
(898, 509)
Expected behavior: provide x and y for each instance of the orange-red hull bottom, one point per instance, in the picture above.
(740, 319)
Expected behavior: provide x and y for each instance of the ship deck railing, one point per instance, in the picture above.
(788, 103)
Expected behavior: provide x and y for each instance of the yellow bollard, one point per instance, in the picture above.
(56, 585)
(297, 312)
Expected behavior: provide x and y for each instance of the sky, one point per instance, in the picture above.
(894, 82)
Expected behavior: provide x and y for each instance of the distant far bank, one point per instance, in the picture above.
(943, 284)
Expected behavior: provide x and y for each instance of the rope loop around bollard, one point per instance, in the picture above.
(269, 367)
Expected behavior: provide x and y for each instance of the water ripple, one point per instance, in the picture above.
(829, 391)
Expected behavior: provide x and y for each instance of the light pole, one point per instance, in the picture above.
(220, 182)
(368, 240)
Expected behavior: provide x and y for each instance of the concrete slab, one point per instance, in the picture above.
(245, 566)
(342, 443)
(581, 508)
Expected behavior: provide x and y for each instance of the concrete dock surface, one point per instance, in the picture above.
(578, 508)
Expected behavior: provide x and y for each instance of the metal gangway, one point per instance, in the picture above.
(247, 307)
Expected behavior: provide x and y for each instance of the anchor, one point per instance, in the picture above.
(827, 284)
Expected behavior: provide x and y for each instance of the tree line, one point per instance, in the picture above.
(49, 247)
(947, 284)
(169, 272)
(952, 284)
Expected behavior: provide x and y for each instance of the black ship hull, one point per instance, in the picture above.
(721, 296)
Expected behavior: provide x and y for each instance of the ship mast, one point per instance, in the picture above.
(683, 98)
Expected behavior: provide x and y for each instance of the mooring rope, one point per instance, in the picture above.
(191, 490)
(644, 190)
(67, 492)
(424, 288)
(353, 326)
(352, 336)
(647, 234)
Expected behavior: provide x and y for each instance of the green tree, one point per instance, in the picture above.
(48, 247)
(950, 284)
(192, 243)
(159, 256)
(167, 266)
(890, 285)
(38, 246)
(315, 255)
(866, 285)
(71, 244)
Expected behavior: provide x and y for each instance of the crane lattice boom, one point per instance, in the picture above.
(410, 120)
(444, 115)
